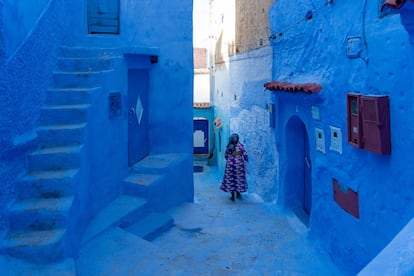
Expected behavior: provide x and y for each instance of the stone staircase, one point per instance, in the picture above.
(44, 219)
(40, 218)
(140, 210)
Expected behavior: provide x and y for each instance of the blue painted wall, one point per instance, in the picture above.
(20, 18)
(242, 104)
(147, 28)
(314, 50)
(26, 75)
(171, 84)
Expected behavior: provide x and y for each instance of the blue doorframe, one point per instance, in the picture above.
(201, 136)
(298, 183)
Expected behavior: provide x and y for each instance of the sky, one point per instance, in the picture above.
(200, 23)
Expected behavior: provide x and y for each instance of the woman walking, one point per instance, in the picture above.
(234, 180)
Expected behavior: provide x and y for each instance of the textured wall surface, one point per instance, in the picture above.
(171, 78)
(252, 24)
(239, 26)
(242, 105)
(20, 18)
(25, 75)
(314, 49)
(147, 28)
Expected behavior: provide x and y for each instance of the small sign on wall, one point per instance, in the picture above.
(315, 113)
(115, 105)
(336, 139)
(320, 140)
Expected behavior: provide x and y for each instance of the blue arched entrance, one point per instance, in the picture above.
(298, 184)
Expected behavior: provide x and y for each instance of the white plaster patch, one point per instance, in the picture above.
(315, 113)
(336, 139)
(259, 140)
(198, 139)
(320, 140)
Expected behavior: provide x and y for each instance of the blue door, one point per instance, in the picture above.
(103, 16)
(307, 189)
(138, 143)
(200, 136)
(298, 183)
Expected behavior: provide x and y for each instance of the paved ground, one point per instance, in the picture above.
(215, 236)
(212, 236)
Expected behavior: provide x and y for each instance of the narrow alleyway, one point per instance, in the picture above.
(212, 236)
(215, 236)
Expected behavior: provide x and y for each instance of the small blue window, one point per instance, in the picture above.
(103, 16)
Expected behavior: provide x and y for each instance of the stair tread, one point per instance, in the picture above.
(142, 179)
(49, 204)
(34, 238)
(159, 161)
(66, 106)
(151, 225)
(74, 51)
(61, 126)
(50, 174)
(75, 89)
(112, 214)
(76, 73)
(105, 57)
(58, 149)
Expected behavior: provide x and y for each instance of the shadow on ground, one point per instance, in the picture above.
(212, 236)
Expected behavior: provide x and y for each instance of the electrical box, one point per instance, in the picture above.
(354, 47)
(376, 124)
(368, 123)
(346, 198)
(354, 119)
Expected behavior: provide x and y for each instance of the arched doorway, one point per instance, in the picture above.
(298, 184)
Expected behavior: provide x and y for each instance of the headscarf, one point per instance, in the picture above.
(231, 146)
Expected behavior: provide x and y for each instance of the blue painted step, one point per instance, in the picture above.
(85, 64)
(40, 213)
(70, 96)
(56, 158)
(144, 185)
(63, 114)
(60, 135)
(171, 166)
(114, 253)
(159, 163)
(124, 210)
(77, 79)
(36, 246)
(47, 184)
(85, 52)
(151, 226)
